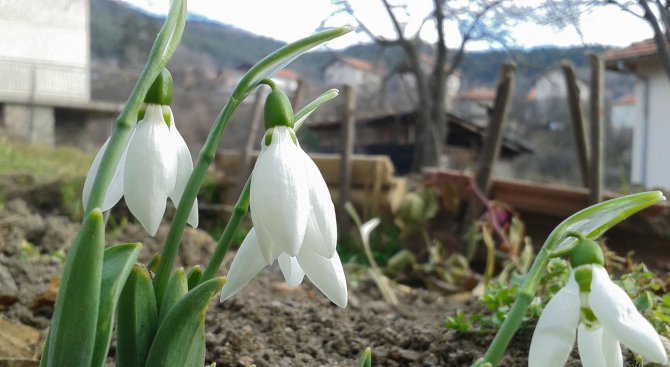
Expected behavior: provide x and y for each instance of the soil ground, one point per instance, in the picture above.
(267, 324)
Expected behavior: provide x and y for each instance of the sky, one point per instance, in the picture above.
(290, 20)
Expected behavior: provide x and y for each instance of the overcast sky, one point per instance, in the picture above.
(290, 20)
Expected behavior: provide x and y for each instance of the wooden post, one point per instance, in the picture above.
(252, 139)
(298, 95)
(597, 138)
(495, 131)
(348, 135)
(578, 122)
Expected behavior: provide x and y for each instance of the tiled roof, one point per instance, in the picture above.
(624, 101)
(356, 63)
(636, 51)
(287, 74)
(478, 94)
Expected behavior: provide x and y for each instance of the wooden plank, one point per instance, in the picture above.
(555, 201)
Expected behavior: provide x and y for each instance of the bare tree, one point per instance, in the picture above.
(478, 20)
(657, 14)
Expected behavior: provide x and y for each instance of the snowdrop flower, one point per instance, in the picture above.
(155, 165)
(599, 312)
(293, 214)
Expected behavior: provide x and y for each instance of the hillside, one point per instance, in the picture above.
(121, 35)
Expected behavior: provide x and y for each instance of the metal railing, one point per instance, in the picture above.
(32, 80)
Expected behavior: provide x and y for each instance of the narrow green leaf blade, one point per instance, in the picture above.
(196, 356)
(73, 327)
(179, 330)
(117, 263)
(177, 287)
(137, 319)
(194, 276)
(300, 117)
(277, 60)
(366, 358)
(597, 219)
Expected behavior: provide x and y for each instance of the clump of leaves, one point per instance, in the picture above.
(646, 289)
(649, 296)
(499, 296)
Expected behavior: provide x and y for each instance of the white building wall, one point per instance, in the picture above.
(651, 135)
(623, 116)
(45, 48)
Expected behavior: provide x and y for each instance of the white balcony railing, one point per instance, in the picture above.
(32, 81)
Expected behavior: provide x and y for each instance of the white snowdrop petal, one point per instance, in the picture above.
(616, 311)
(279, 193)
(555, 331)
(269, 250)
(115, 188)
(322, 216)
(611, 350)
(292, 271)
(326, 274)
(315, 240)
(150, 170)
(184, 170)
(247, 263)
(590, 344)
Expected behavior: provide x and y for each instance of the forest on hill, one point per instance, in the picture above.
(121, 35)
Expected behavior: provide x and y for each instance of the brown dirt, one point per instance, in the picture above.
(267, 324)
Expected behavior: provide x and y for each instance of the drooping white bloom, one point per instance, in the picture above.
(601, 317)
(294, 221)
(155, 165)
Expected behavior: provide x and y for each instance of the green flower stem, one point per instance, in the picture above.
(166, 43)
(206, 157)
(590, 223)
(239, 212)
(512, 322)
(262, 70)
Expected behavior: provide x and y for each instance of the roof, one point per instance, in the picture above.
(636, 51)
(511, 145)
(430, 61)
(356, 63)
(532, 95)
(624, 101)
(287, 74)
(478, 94)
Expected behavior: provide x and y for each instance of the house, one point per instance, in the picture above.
(45, 72)
(475, 103)
(427, 63)
(394, 134)
(354, 72)
(650, 128)
(622, 112)
(287, 80)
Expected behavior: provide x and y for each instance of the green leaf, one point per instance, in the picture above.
(300, 117)
(177, 287)
(597, 219)
(194, 276)
(179, 331)
(117, 264)
(196, 356)
(137, 319)
(366, 358)
(73, 327)
(277, 60)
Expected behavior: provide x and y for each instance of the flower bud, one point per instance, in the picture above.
(585, 252)
(278, 110)
(160, 92)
